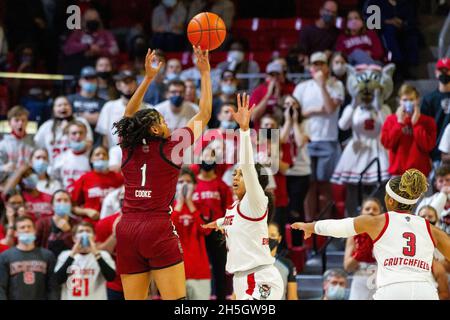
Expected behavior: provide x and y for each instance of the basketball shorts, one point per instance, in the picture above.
(263, 283)
(407, 291)
(146, 242)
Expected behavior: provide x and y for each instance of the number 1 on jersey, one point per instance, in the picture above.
(144, 174)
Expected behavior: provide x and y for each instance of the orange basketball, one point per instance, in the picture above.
(206, 30)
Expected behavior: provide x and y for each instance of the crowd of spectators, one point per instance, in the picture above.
(62, 185)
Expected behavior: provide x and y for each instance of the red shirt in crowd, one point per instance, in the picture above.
(192, 238)
(39, 205)
(363, 251)
(93, 187)
(368, 41)
(2, 232)
(103, 230)
(3, 247)
(214, 195)
(409, 145)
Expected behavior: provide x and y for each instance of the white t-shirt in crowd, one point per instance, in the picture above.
(112, 112)
(59, 143)
(322, 127)
(177, 120)
(111, 203)
(69, 167)
(302, 162)
(115, 156)
(444, 145)
(85, 280)
(49, 186)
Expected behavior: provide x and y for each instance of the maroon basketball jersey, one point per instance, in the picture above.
(151, 173)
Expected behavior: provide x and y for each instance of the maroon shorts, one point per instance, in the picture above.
(146, 242)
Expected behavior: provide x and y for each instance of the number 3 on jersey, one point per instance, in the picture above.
(410, 249)
(144, 175)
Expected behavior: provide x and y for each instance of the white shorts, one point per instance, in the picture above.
(407, 291)
(263, 283)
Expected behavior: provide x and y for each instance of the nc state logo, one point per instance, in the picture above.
(264, 291)
(28, 277)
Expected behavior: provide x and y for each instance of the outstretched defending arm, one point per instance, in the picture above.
(205, 104)
(150, 73)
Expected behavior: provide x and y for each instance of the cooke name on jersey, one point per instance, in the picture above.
(143, 193)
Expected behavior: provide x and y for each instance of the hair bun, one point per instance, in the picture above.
(414, 183)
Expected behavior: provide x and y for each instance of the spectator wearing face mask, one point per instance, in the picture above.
(92, 187)
(84, 46)
(212, 193)
(113, 111)
(228, 91)
(172, 71)
(322, 35)
(72, 163)
(26, 271)
(335, 285)
(168, 20)
(104, 70)
(358, 43)
(358, 257)
(440, 202)
(84, 270)
(283, 264)
(442, 179)
(14, 208)
(86, 103)
(14, 150)
(320, 99)
(437, 105)
(267, 95)
(55, 232)
(188, 218)
(409, 135)
(175, 110)
(40, 165)
(52, 134)
(38, 204)
(105, 236)
(236, 62)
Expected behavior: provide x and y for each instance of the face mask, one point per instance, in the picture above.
(226, 124)
(77, 146)
(104, 75)
(31, 181)
(354, 24)
(327, 18)
(100, 165)
(40, 166)
(340, 69)
(409, 106)
(92, 25)
(84, 239)
(444, 79)
(207, 166)
(273, 243)
(169, 3)
(336, 292)
(171, 76)
(89, 87)
(236, 56)
(26, 238)
(177, 101)
(228, 89)
(62, 209)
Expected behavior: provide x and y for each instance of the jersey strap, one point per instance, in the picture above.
(249, 218)
(163, 156)
(386, 223)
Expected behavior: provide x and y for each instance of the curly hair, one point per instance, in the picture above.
(411, 185)
(133, 130)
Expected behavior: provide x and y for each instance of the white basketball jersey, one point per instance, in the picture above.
(247, 240)
(404, 250)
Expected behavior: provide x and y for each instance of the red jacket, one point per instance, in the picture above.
(192, 238)
(409, 146)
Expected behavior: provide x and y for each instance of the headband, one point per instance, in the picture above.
(398, 198)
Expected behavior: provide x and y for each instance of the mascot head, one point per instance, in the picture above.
(363, 79)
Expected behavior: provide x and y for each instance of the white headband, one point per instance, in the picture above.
(398, 198)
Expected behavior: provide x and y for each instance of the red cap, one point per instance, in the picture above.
(443, 63)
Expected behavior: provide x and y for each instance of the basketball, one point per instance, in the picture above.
(206, 30)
